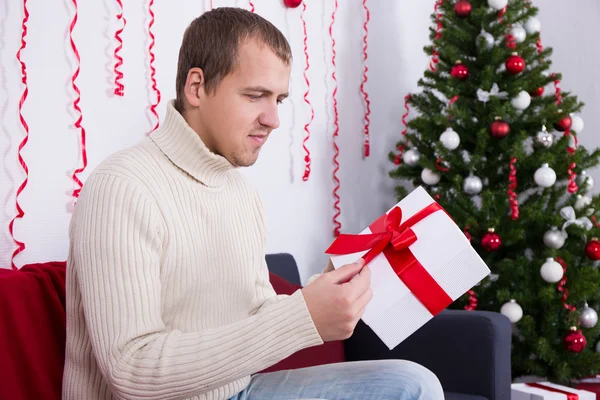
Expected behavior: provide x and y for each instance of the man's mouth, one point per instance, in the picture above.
(260, 139)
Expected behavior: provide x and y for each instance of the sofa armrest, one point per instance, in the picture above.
(469, 351)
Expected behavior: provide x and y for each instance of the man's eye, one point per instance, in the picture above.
(253, 97)
(279, 101)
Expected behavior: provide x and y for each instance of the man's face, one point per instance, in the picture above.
(236, 119)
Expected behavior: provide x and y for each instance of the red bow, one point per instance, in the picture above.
(393, 239)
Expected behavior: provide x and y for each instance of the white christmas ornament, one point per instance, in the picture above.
(472, 185)
(522, 101)
(488, 39)
(554, 238)
(532, 25)
(429, 177)
(551, 271)
(518, 33)
(497, 4)
(576, 123)
(582, 202)
(450, 139)
(411, 157)
(512, 310)
(545, 176)
(588, 317)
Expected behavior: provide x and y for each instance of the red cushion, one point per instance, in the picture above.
(32, 338)
(327, 353)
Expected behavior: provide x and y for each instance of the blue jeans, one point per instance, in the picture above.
(364, 380)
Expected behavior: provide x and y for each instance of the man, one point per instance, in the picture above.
(168, 293)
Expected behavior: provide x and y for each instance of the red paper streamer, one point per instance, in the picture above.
(562, 284)
(557, 89)
(435, 57)
(512, 186)
(336, 131)
(211, 4)
(595, 222)
(119, 87)
(251, 6)
(20, 212)
(78, 125)
(152, 69)
(472, 301)
(367, 145)
(572, 186)
(312, 111)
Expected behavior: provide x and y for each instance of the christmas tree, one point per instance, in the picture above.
(495, 143)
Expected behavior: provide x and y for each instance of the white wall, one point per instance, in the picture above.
(299, 213)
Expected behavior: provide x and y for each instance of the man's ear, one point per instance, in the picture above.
(194, 86)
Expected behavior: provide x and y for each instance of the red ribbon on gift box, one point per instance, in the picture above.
(570, 396)
(393, 239)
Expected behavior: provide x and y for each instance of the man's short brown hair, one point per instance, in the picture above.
(212, 40)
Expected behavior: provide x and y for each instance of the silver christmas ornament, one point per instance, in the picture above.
(554, 238)
(497, 4)
(544, 138)
(411, 157)
(472, 185)
(488, 39)
(583, 179)
(582, 202)
(588, 317)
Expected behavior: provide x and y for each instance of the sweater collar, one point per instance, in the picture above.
(183, 146)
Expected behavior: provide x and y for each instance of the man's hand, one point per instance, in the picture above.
(336, 300)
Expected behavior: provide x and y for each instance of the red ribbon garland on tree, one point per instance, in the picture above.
(562, 284)
(367, 145)
(20, 212)
(512, 186)
(78, 125)
(251, 5)
(336, 131)
(152, 69)
(435, 57)
(119, 87)
(307, 160)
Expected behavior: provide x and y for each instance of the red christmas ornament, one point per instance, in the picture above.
(460, 71)
(537, 92)
(491, 241)
(564, 124)
(292, 3)
(515, 64)
(575, 341)
(462, 8)
(499, 129)
(592, 249)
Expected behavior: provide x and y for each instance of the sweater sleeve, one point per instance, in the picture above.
(116, 250)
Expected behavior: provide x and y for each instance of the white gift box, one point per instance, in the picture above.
(442, 249)
(521, 391)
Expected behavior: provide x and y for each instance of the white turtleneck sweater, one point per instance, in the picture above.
(168, 293)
